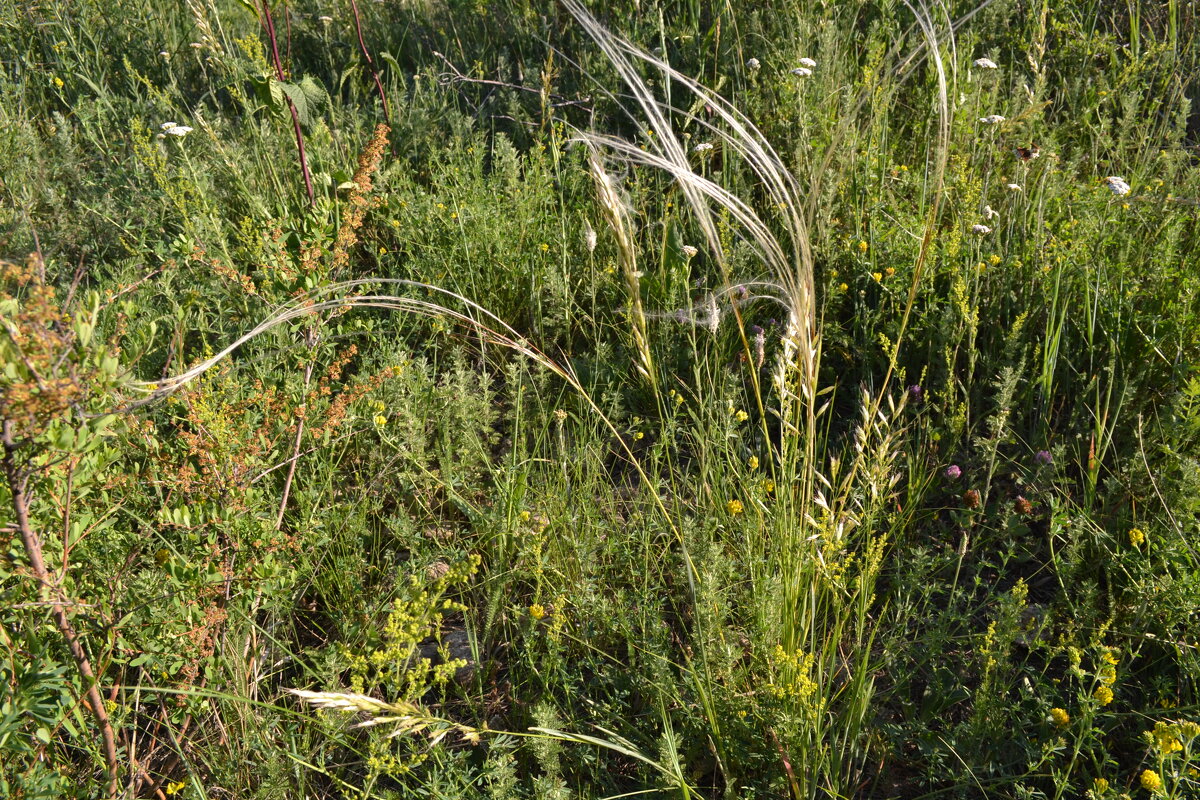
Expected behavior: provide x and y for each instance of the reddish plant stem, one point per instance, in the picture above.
(387, 114)
(51, 592)
(269, 23)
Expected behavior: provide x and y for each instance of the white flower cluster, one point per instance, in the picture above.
(985, 63)
(1118, 185)
(807, 65)
(175, 129)
(992, 119)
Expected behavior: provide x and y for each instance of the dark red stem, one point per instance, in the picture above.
(370, 62)
(269, 23)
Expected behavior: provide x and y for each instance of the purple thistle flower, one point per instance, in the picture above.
(953, 472)
(1043, 457)
(915, 392)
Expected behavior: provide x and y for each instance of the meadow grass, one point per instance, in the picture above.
(549, 400)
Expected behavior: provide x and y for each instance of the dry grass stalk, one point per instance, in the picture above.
(617, 215)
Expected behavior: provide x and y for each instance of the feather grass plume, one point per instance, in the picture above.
(406, 718)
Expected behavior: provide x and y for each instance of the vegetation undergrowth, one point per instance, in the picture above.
(540, 400)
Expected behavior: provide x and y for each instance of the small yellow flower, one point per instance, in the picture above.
(1150, 780)
(994, 259)
(768, 486)
(741, 416)
(537, 611)
(1107, 674)
(1099, 786)
(753, 462)
(638, 436)
(1109, 657)
(878, 276)
(382, 251)
(545, 247)
(1104, 695)
(890, 271)
(734, 507)
(175, 787)
(524, 516)
(380, 420)
(843, 287)
(1166, 738)
(1136, 537)
(1060, 717)
(862, 247)
(58, 83)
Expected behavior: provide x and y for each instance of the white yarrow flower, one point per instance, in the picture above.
(1014, 187)
(689, 251)
(163, 54)
(753, 64)
(802, 72)
(179, 130)
(992, 119)
(324, 20)
(982, 230)
(990, 213)
(807, 62)
(703, 147)
(985, 63)
(166, 125)
(1118, 185)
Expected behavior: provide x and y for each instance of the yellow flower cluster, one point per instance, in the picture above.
(1099, 786)
(794, 677)
(1060, 717)
(1136, 537)
(1107, 674)
(1150, 780)
(1166, 738)
(735, 507)
(1104, 695)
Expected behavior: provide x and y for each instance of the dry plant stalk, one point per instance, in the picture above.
(347, 236)
(617, 216)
